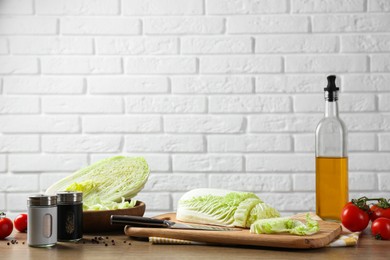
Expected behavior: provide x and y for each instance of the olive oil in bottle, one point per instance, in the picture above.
(331, 158)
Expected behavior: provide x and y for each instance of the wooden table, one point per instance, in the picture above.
(126, 248)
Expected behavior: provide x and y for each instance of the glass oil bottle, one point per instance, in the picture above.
(331, 158)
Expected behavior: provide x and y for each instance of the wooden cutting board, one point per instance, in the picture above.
(328, 232)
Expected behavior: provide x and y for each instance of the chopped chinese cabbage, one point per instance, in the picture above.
(261, 211)
(286, 224)
(110, 205)
(243, 210)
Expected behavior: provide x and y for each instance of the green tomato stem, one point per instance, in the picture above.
(362, 202)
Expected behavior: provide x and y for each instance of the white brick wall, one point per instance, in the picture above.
(75, 7)
(213, 93)
(18, 65)
(27, 85)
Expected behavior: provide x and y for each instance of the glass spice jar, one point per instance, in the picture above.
(42, 220)
(70, 215)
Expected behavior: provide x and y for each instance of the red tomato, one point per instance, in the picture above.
(354, 218)
(20, 223)
(6, 226)
(378, 212)
(380, 228)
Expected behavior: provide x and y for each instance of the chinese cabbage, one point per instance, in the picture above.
(106, 182)
(286, 224)
(261, 211)
(110, 205)
(243, 210)
(219, 207)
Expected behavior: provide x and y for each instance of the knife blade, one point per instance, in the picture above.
(136, 221)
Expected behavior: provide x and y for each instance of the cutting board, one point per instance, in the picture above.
(328, 232)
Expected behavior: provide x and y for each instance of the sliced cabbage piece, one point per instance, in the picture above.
(261, 211)
(110, 205)
(106, 182)
(219, 207)
(286, 224)
(242, 213)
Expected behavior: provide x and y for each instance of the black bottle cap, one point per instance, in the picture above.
(331, 89)
(331, 84)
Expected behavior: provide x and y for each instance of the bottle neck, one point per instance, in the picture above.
(331, 109)
(331, 105)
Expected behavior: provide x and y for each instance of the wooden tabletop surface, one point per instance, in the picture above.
(126, 248)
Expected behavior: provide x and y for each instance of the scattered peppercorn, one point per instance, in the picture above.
(8, 244)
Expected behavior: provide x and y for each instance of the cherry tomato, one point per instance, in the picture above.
(354, 218)
(378, 212)
(6, 226)
(20, 223)
(380, 228)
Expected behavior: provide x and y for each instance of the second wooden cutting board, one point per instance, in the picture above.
(328, 232)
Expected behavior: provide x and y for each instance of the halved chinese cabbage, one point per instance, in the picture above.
(220, 207)
(106, 182)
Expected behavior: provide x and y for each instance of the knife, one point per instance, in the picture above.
(136, 221)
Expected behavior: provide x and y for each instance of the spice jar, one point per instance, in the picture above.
(42, 220)
(70, 216)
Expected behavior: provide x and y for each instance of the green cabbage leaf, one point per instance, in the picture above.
(110, 205)
(108, 183)
(221, 207)
(285, 225)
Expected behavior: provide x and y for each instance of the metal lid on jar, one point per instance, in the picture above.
(42, 200)
(70, 197)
